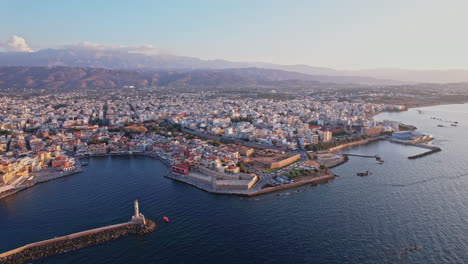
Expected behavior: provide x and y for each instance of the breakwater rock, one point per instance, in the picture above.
(75, 241)
(434, 150)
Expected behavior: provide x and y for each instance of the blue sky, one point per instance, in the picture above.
(344, 34)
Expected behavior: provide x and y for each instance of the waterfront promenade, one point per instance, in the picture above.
(35, 178)
(153, 155)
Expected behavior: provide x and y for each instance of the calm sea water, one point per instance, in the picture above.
(421, 202)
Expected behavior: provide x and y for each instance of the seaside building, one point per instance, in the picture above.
(181, 168)
(326, 136)
(372, 131)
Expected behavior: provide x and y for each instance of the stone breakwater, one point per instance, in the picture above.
(432, 149)
(75, 241)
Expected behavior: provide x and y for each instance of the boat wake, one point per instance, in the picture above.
(430, 179)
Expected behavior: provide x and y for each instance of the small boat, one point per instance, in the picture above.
(363, 173)
(440, 125)
(84, 163)
(166, 219)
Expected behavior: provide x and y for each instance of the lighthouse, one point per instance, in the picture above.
(138, 218)
(137, 209)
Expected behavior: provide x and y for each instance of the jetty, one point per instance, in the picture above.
(432, 149)
(377, 157)
(138, 225)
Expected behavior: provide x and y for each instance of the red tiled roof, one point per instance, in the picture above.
(184, 166)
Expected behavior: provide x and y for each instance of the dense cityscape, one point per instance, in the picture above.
(227, 139)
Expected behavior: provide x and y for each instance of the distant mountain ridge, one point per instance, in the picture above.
(118, 60)
(124, 60)
(62, 77)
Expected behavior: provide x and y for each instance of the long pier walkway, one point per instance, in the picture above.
(362, 156)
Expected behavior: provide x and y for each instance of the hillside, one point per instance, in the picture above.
(19, 77)
(59, 77)
(121, 60)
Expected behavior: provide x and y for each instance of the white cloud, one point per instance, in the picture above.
(16, 43)
(143, 49)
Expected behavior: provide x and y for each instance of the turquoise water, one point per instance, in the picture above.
(353, 219)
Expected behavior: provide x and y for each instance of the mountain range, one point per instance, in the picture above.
(64, 77)
(157, 69)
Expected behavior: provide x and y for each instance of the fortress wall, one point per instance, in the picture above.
(285, 162)
(235, 184)
(198, 177)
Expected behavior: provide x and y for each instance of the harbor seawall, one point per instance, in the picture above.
(74, 241)
(250, 192)
(431, 149)
(317, 180)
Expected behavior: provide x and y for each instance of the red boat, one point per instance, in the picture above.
(166, 219)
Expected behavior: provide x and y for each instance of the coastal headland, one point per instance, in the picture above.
(255, 191)
(208, 187)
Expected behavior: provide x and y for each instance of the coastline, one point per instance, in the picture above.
(208, 188)
(344, 158)
(413, 106)
(433, 104)
(43, 178)
(78, 169)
